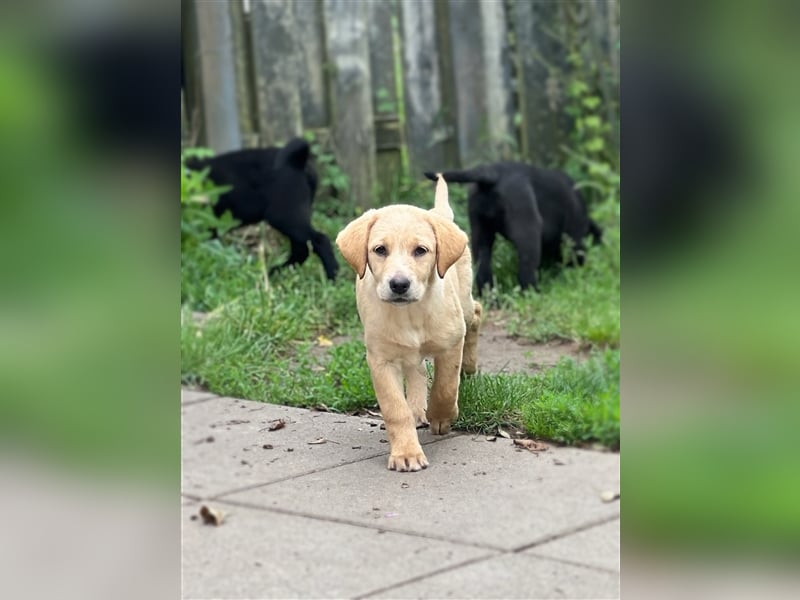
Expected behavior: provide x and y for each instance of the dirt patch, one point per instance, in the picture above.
(499, 352)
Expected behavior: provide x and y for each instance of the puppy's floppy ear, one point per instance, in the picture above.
(352, 241)
(450, 242)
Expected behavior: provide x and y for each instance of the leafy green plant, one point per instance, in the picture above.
(330, 173)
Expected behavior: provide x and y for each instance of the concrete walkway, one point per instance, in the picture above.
(328, 520)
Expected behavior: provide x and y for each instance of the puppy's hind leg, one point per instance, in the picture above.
(417, 392)
(443, 406)
(297, 256)
(322, 248)
(469, 362)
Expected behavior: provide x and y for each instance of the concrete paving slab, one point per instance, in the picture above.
(224, 439)
(511, 576)
(594, 547)
(476, 492)
(262, 554)
(194, 396)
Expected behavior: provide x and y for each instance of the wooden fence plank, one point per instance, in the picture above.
(481, 79)
(278, 65)
(312, 78)
(243, 73)
(389, 139)
(352, 127)
(426, 125)
(218, 83)
(497, 62)
(541, 58)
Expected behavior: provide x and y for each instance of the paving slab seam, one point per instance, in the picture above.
(564, 533)
(423, 576)
(253, 486)
(425, 536)
(573, 563)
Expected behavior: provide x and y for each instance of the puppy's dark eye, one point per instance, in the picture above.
(380, 250)
(420, 251)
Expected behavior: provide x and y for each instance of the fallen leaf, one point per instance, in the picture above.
(373, 413)
(211, 516)
(323, 341)
(491, 438)
(356, 447)
(267, 446)
(383, 441)
(320, 440)
(276, 424)
(404, 485)
(609, 496)
(531, 445)
(320, 408)
(503, 433)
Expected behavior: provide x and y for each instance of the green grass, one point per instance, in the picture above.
(263, 344)
(569, 403)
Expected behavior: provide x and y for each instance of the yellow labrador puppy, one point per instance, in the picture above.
(414, 297)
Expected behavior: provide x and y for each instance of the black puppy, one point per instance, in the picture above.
(533, 208)
(275, 185)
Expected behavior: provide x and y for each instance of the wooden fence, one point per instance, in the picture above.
(393, 86)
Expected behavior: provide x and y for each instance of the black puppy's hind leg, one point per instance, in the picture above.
(297, 256)
(322, 247)
(482, 243)
(529, 255)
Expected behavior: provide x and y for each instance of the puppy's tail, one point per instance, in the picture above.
(441, 203)
(485, 176)
(294, 154)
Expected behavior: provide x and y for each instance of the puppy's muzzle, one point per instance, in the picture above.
(399, 287)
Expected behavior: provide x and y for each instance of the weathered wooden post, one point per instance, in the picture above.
(347, 45)
(428, 122)
(541, 57)
(217, 79)
(386, 104)
(278, 63)
(481, 78)
(312, 84)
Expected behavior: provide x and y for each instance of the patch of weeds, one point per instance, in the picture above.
(577, 402)
(349, 377)
(570, 403)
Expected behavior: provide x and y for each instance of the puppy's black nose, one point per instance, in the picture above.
(399, 285)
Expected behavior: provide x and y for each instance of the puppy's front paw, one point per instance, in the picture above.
(409, 461)
(420, 418)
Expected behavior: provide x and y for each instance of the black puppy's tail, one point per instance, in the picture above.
(294, 154)
(195, 164)
(483, 176)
